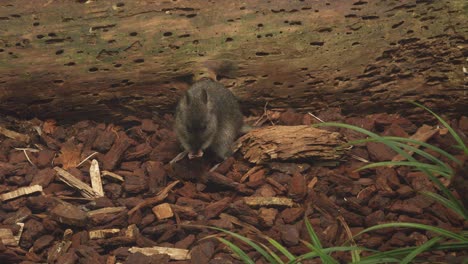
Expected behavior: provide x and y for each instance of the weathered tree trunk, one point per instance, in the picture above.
(107, 58)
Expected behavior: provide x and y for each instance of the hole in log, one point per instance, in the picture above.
(133, 34)
(71, 63)
(58, 52)
(262, 53)
(167, 34)
(138, 60)
(93, 69)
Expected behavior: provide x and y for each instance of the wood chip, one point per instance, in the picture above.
(174, 253)
(423, 134)
(7, 237)
(14, 135)
(103, 233)
(73, 182)
(107, 210)
(158, 198)
(268, 201)
(112, 175)
(283, 143)
(69, 214)
(163, 211)
(20, 192)
(95, 176)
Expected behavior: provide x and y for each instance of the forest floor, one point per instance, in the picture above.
(147, 202)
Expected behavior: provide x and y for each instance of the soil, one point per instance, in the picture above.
(158, 204)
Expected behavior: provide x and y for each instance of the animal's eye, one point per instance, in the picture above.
(203, 127)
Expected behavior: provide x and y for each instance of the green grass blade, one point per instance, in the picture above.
(314, 254)
(437, 230)
(281, 249)
(239, 252)
(444, 201)
(320, 253)
(273, 254)
(445, 124)
(416, 164)
(313, 236)
(429, 146)
(402, 252)
(408, 140)
(249, 242)
(424, 247)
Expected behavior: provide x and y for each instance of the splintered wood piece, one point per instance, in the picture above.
(20, 232)
(285, 143)
(423, 134)
(268, 201)
(107, 210)
(158, 198)
(103, 233)
(163, 211)
(112, 175)
(174, 253)
(20, 192)
(250, 172)
(95, 176)
(60, 248)
(14, 135)
(132, 231)
(73, 182)
(7, 237)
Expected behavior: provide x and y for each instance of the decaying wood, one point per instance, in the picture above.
(20, 192)
(291, 143)
(73, 182)
(14, 135)
(95, 176)
(174, 253)
(159, 197)
(311, 55)
(268, 201)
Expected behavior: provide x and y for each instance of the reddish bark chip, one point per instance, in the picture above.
(69, 214)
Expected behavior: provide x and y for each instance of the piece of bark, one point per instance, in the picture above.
(423, 134)
(73, 182)
(14, 135)
(159, 197)
(7, 238)
(115, 154)
(174, 253)
(163, 211)
(95, 176)
(70, 154)
(285, 143)
(268, 201)
(68, 214)
(20, 192)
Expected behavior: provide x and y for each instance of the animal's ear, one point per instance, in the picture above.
(204, 96)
